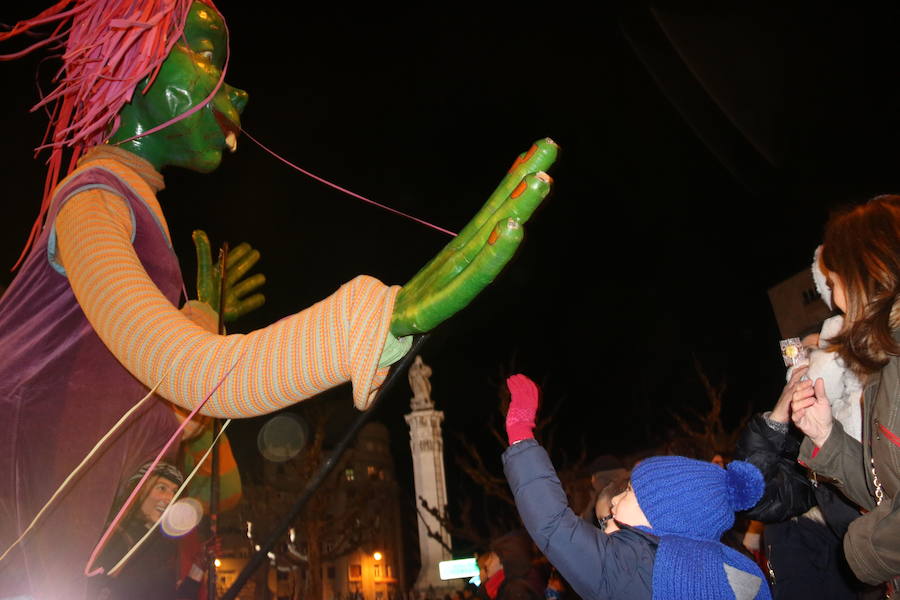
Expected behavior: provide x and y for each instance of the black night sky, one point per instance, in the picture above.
(701, 152)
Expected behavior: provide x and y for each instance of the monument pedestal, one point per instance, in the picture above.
(427, 446)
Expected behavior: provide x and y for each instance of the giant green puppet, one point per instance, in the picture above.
(90, 322)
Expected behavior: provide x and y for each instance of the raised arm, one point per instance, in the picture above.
(334, 341)
(621, 562)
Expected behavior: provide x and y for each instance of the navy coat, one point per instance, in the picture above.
(597, 566)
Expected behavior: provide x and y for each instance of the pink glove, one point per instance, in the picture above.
(522, 408)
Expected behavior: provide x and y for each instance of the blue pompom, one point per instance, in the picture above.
(745, 485)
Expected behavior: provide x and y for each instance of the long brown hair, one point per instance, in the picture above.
(862, 246)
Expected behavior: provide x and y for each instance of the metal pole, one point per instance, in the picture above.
(324, 470)
(214, 467)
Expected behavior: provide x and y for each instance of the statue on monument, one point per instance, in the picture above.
(418, 375)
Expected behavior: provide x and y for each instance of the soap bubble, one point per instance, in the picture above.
(282, 437)
(181, 517)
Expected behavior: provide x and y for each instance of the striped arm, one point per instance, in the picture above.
(338, 339)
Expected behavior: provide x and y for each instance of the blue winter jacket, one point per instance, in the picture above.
(597, 566)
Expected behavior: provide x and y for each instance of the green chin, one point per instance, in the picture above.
(207, 162)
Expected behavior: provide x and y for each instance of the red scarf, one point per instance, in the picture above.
(492, 585)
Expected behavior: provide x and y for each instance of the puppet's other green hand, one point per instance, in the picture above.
(477, 255)
(240, 259)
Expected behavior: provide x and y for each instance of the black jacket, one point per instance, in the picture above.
(805, 556)
(790, 491)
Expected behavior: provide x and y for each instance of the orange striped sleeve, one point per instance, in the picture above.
(337, 340)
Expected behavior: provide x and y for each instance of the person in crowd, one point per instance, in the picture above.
(151, 572)
(663, 539)
(805, 519)
(608, 478)
(522, 580)
(490, 571)
(861, 261)
(557, 588)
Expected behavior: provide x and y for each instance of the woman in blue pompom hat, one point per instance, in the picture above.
(662, 541)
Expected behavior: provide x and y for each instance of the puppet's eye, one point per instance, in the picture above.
(207, 54)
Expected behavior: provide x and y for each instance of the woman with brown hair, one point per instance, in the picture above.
(861, 257)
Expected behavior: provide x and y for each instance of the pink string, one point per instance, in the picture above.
(175, 436)
(346, 191)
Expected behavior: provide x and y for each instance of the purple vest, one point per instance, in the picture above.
(61, 390)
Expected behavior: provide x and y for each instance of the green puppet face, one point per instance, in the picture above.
(185, 79)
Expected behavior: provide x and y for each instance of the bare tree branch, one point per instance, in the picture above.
(473, 466)
(441, 519)
(706, 430)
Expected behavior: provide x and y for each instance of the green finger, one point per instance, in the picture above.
(239, 269)
(245, 306)
(540, 157)
(245, 287)
(412, 315)
(520, 204)
(236, 253)
(207, 279)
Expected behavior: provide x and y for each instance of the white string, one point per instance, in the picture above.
(62, 487)
(115, 569)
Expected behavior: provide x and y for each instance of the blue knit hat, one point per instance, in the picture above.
(692, 498)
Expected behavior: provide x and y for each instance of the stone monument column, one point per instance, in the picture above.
(426, 443)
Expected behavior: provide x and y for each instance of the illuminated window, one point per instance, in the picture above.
(372, 471)
(377, 568)
(355, 571)
(349, 475)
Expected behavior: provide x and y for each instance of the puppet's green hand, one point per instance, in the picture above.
(477, 255)
(240, 259)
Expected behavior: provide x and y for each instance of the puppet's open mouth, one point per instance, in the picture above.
(229, 128)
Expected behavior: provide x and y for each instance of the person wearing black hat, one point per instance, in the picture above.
(151, 572)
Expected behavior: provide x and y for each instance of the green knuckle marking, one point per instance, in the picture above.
(542, 159)
(521, 208)
(437, 273)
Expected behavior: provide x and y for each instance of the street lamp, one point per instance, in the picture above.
(377, 555)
